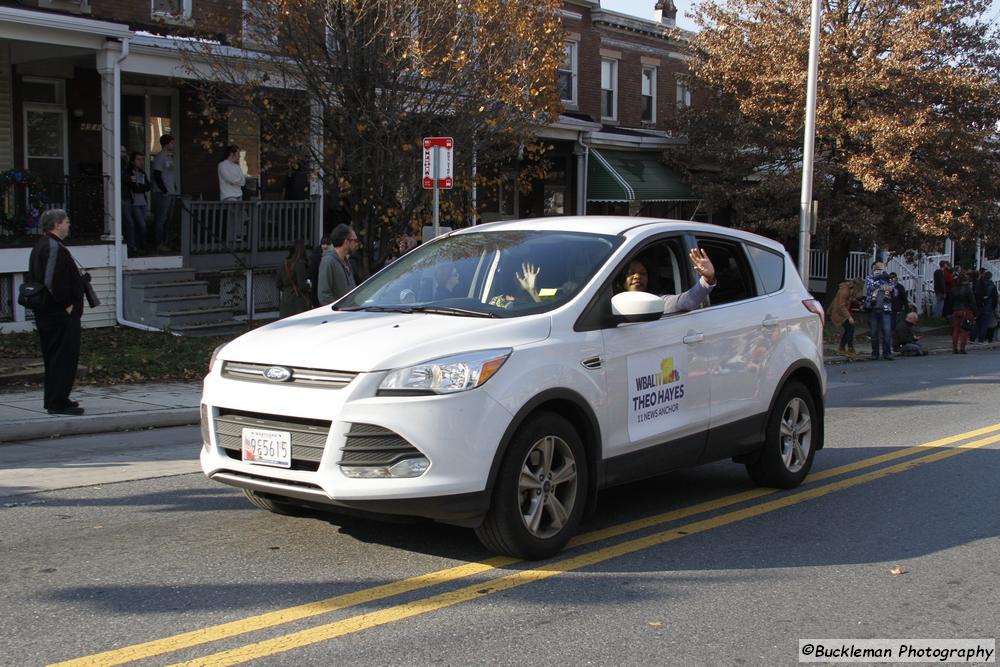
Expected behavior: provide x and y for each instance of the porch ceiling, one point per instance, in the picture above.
(50, 28)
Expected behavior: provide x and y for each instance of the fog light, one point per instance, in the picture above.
(405, 468)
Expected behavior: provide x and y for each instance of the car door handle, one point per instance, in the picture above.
(771, 321)
(693, 337)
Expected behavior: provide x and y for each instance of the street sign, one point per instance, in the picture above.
(441, 149)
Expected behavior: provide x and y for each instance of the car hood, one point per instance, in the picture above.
(362, 342)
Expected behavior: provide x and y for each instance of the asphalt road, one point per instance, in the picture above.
(168, 569)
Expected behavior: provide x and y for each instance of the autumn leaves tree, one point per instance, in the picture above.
(378, 75)
(907, 118)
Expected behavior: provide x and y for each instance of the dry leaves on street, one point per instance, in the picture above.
(655, 624)
(896, 571)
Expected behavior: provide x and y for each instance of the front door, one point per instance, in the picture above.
(658, 378)
(148, 114)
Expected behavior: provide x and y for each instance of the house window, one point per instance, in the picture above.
(567, 74)
(683, 95)
(258, 26)
(45, 129)
(649, 94)
(171, 9)
(609, 89)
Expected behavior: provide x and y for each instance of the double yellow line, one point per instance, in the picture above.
(521, 577)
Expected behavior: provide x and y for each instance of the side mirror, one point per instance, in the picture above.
(636, 307)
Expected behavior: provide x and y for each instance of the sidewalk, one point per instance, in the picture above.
(138, 406)
(117, 408)
(935, 340)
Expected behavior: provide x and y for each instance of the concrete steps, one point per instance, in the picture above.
(174, 300)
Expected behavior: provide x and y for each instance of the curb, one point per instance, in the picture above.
(836, 359)
(90, 424)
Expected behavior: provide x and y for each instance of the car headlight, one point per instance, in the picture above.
(215, 355)
(446, 375)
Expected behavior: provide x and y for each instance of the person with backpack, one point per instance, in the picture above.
(57, 316)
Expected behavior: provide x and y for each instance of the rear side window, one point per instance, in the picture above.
(770, 267)
(733, 277)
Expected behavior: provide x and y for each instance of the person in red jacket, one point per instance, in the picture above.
(58, 319)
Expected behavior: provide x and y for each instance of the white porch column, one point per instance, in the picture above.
(110, 122)
(316, 174)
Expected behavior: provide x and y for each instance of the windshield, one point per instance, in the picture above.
(487, 274)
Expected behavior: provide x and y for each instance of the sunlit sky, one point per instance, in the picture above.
(644, 9)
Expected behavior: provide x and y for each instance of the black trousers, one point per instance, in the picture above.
(60, 335)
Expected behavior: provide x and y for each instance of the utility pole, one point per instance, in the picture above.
(809, 144)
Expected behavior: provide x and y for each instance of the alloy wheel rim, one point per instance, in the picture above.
(547, 486)
(795, 434)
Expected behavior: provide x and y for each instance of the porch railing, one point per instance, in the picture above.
(855, 266)
(81, 196)
(246, 228)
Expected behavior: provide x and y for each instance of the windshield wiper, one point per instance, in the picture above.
(378, 309)
(451, 310)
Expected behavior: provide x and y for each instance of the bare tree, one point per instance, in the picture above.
(375, 76)
(906, 118)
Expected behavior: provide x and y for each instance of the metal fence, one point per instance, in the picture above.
(81, 197)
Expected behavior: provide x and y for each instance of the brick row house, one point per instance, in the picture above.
(621, 80)
(81, 78)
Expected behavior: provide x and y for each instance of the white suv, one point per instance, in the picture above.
(501, 375)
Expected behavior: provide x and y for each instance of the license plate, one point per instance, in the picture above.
(267, 448)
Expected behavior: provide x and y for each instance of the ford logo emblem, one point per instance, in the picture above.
(278, 374)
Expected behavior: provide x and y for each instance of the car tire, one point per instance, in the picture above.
(540, 492)
(790, 441)
(268, 503)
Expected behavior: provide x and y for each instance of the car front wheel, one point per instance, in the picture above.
(540, 491)
(791, 440)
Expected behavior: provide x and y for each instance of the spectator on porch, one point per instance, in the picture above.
(231, 182)
(165, 192)
(135, 203)
(231, 176)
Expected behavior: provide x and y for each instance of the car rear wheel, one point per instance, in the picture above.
(268, 503)
(540, 491)
(791, 440)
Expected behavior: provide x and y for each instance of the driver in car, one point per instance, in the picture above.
(637, 279)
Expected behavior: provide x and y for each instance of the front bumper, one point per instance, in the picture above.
(459, 434)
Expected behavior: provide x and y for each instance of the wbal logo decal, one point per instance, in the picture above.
(278, 374)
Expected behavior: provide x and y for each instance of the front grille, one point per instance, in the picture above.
(302, 377)
(308, 435)
(370, 445)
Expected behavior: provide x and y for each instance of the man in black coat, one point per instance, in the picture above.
(58, 320)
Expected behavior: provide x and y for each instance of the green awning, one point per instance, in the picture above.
(616, 176)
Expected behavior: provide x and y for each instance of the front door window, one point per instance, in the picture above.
(148, 115)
